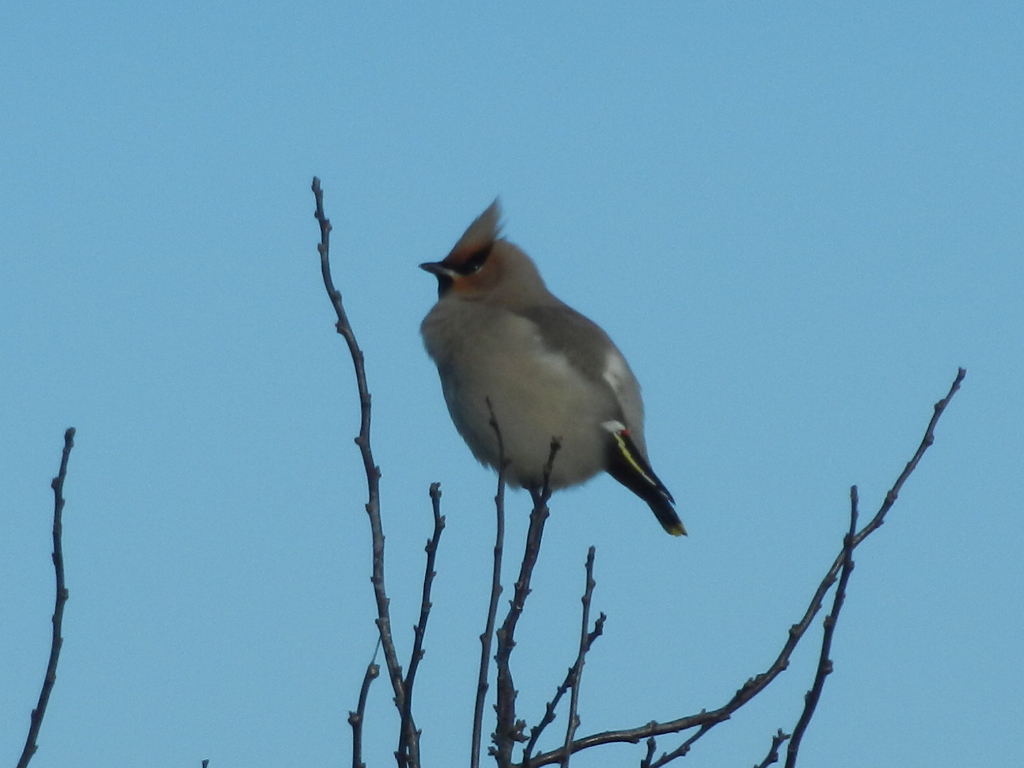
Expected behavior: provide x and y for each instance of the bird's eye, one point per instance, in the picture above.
(476, 260)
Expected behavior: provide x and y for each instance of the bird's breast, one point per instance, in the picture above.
(498, 363)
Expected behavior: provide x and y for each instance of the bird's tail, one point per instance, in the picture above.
(627, 465)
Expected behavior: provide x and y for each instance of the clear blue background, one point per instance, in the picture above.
(796, 220)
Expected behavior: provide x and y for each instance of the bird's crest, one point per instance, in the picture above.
(481, 233)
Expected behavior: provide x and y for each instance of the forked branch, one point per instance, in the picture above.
(509, 729)
(492, 604)
(344, 328)
(706, 720)
(824, 659)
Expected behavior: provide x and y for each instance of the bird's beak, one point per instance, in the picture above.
(445, 276)
(438, 269)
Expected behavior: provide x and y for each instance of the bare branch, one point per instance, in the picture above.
(344, 328)
(405, 755)
(683, 749)
(508, 729)
(652, 746)
(824, 662)
(773, 753)
(926, 442)
(355, 719)
(549, 709)
(706, 720)
(492, 605)
(56, 641)
(573, 719)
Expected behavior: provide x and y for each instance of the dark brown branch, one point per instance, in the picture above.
(652, 746)
(706, 720)
(549, 709)
(492, 605)
(355, 719)
(508, 729)
(56, 641)
(824, 661)
(420, 630)
(572, 719)
(926, 442)
(683, 749)
(773, 752)
(344, 328)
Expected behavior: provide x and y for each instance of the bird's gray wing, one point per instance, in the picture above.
(588, 349)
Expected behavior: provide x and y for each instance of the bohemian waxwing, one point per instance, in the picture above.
(502, 341)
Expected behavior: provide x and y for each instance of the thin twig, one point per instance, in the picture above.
(420, 630)
(652, 746)
(773, 752)
(355, 719)
(549, 709)
(706, 720)
(824, 661)
(572, 718)
(492, 605)
(56, 641)
(508, 729)
(926, 442)
(344, 328)
(683, 749)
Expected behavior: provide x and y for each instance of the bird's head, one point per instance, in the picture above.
(485, 267)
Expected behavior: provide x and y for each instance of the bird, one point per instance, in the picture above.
(507, 350)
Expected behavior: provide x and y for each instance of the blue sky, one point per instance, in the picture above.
(796, 221)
